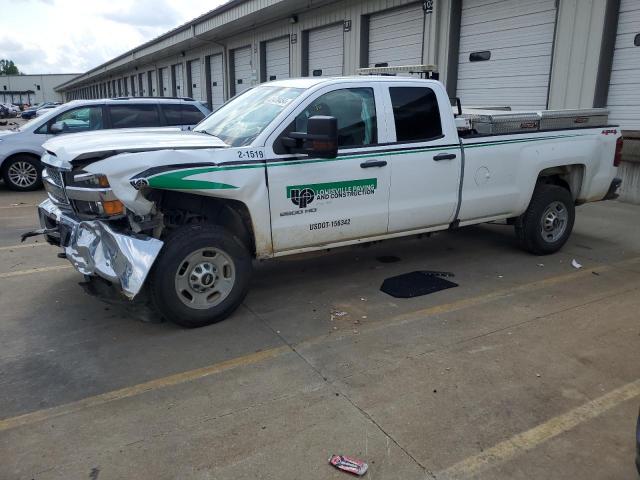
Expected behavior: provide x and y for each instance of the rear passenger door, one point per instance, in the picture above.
(425, 158)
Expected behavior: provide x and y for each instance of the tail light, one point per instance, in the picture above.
(617, 158)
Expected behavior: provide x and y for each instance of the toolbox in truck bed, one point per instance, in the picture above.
(497, 122)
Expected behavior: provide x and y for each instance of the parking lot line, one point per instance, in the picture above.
(19, 273)
(6, 207)
(171, 380)
(23, 245)
(530, 439)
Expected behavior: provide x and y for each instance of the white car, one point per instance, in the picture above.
(21, 148)
(308, 164)
(43, 110)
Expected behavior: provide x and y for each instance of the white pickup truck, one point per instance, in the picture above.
(307, 164)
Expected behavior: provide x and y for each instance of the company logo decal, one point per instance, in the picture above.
(138, 183)
(304, 195)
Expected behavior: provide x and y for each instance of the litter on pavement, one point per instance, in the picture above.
(349, 464)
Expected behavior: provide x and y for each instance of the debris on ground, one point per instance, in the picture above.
(438, 274)
(349, 464)
(575, 264)
(541, 264)
(414, 284)
(338, 314)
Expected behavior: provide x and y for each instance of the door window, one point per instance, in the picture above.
(415, 113)
(176, 114)
(82, 119)
(134, 116)
(355, 110)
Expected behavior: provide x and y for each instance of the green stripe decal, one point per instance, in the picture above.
(176, 179)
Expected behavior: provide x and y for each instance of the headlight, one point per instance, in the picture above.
(92, 179)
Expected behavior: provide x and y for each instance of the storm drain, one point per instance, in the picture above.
(415, 284)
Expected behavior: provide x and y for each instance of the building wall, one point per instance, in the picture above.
(42, 86)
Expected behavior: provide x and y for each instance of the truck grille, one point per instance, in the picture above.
(55, 175)
(54, 185)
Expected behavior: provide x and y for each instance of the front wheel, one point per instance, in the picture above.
(546, 225)
(22, 173)
(201, 276)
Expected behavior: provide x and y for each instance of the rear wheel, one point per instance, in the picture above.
(547, 224)
(22, 173)
(201, 276)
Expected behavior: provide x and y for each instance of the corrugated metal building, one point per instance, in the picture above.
(523, 53)
(32, 88)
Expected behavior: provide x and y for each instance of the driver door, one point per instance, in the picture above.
(319, 201)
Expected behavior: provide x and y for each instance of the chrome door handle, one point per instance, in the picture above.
(444, 156)
(373, 163)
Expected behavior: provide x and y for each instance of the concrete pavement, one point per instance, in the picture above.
(529, 360)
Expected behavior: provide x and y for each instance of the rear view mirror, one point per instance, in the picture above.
(321, 138)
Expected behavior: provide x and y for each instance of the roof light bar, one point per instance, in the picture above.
(425, 71)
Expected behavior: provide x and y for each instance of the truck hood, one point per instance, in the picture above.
(92, 146)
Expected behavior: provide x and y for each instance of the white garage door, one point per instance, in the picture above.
(179, 79)
(624, 86)
(277, 61)
(326, 51)
(217, 81)
(396, 36)
(505, 52)
(142, 88)
(152, 81)
(165, 86)
(194, 67)
(241, 70)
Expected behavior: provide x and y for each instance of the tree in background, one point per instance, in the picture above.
(7, 67)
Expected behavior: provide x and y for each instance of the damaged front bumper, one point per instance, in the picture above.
(95, 249)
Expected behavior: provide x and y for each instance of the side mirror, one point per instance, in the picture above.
(321, 138)
(57, 127)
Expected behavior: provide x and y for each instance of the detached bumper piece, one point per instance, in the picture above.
(612, 193)
(95, 249)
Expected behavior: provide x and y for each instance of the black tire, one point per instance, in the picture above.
(547, 201)
(32, 178)
(166, 295)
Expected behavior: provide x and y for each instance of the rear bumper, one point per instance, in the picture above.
(96, 249)
(612, 193)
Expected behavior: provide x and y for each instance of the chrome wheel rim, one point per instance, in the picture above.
(205, 278)
(554, 222)
(23, 174)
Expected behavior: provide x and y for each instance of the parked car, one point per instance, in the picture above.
(31, 112)
(9, 110)
(20, 149)
(308, 164)
(45, 109)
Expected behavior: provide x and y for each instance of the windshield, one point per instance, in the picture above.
(241, 120)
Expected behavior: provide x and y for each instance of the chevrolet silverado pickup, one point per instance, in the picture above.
(306, 164)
